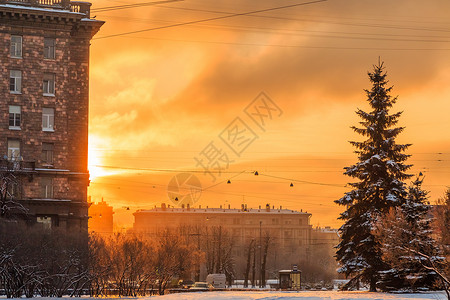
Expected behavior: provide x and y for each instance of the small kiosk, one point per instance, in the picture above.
(290, 279)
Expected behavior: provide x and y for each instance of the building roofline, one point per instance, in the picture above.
(219, 211)
(55, 12)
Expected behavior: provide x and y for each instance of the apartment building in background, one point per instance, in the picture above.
(292, 237)
(44, 51)
(101, 218)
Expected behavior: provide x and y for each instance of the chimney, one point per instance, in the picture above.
(182, 205)
(260, 207)
(242, 207)
(267, 207)
(188, 206)
(245, 207)
(281, 207)
(200, 207)
(163, 206)
(220, 206)
(228, 206)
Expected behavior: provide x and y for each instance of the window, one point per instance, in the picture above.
(47, 153)
(16, 46)
(45, 221)
(15, 81)
(46, 188)
(14, 117)
(236, 232)
(48, 119)
(49, 84)
(49, 48)
(13, 150)
(288, 234)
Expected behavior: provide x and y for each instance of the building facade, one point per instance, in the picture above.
(289, 231)
(44, 84)
(101, 220)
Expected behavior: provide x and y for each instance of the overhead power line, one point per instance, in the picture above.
(298, 46)
(308, 33)
(119, 7)
(211, 19)
(385, 26)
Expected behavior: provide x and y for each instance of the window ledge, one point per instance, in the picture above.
(48, 130)
(48, 166)
(14, 128)
(15, 93)
(20, 57)
(49, 95)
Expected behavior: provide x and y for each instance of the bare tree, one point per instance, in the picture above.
(254, 266)
(10, 186)
(442, 221)
(266, 244)
(210, 251)
(219, 245)
(404, 253)
(249, 256)
(131, 264)
(172, 258)
(100, 266)
(34, 260)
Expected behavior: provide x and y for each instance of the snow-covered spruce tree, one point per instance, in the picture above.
(380, 172)
(405, 233)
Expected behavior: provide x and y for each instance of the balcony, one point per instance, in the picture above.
(19, 166)
(73, 6)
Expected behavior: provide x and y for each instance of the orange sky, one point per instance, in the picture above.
(159, 97)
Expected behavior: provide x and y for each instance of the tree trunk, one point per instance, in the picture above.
(210, 251)
(373, 284)
(264, 262)
(254, 267)
(247, 269)
(219, 252)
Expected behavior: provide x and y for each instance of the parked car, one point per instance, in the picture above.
(185, 283)
(201, 286)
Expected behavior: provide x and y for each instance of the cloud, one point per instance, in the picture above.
(159, 97)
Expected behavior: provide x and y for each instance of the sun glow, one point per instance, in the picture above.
(94, 165)
(96, 161)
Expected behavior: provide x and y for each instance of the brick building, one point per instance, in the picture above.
(44, 50)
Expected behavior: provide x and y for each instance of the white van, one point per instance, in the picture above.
(218, 281)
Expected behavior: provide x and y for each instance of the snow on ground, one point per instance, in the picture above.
(270, 295)
(305, 295)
